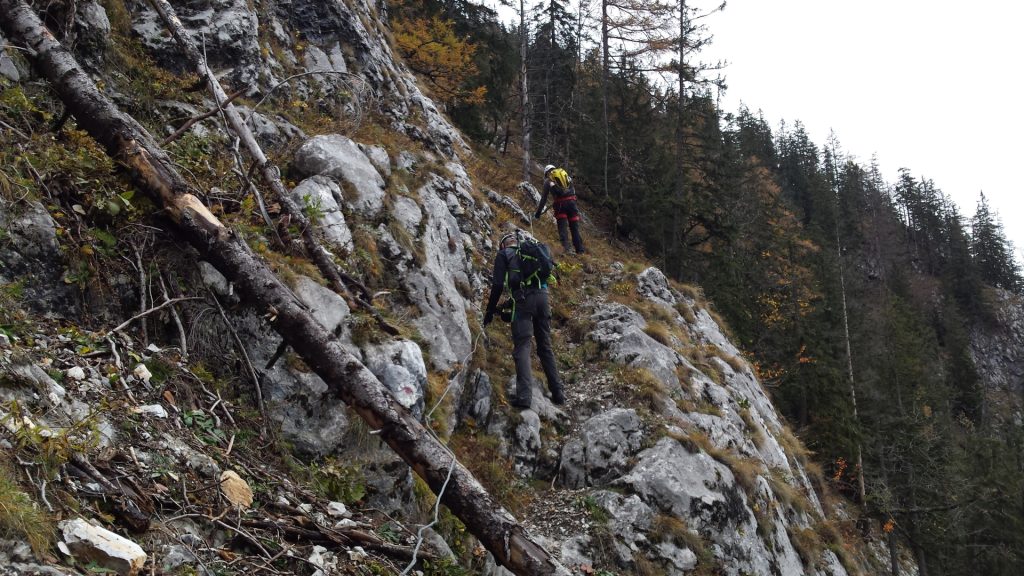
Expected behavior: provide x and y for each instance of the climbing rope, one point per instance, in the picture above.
(451, 467)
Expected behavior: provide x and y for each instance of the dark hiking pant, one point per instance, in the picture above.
(568, 217)
(532, 319)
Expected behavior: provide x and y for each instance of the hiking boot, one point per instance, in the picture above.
(516, 403)
(557, 397)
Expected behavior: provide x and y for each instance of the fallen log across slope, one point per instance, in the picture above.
(134, 148)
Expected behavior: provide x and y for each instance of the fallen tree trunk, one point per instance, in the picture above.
(132, 146)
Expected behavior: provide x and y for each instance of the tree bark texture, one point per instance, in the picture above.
(128, 143)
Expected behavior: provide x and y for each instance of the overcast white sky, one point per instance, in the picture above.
(931, 85)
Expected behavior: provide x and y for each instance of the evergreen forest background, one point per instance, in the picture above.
(855, 296)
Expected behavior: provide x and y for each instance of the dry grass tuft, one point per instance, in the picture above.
(807, 544)
(646, 387)
(482, 455)
(793, 446)
(754, 430)
(686, 312)
(367, 256)
(659, 332)
(20, 518)
(677, 532)
(787, 493)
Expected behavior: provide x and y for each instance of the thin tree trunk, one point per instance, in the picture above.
(604, 93)
(524, 89)
(851, 383)
(680, 130)
(133, 147)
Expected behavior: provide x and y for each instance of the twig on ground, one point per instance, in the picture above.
(176, 318)
(196, 119)
(124, 324)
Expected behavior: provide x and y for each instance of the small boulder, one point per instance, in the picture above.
(235, 489)
(90, 543)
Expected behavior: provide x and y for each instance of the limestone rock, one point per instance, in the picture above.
(30, 254)
(621, 330)
(340, 158)
(601, 454)
(379, 157)
(91, 543)
(235, 489)
(399, 366)
(228, 29)
(319, 195)
(8, 69)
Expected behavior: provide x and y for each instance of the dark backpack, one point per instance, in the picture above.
(530, 265)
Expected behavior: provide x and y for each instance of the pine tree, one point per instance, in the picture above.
(993, 253)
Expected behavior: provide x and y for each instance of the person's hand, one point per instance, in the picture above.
(488, 317)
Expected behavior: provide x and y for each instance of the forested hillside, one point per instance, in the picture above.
(858, 298)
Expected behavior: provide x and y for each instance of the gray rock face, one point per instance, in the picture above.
(226, 29)
(399, 366)
(30, 255)
(620, 330)
(704, 492)
(378, 157)
(340, 158)
(406, 161)
(653, 285)
(528, 194)
(602, 452)
(92, 30)
(319, 22)
(319, 195)
(999, 353)
(270, 132)
(437, 287)
(629, 521)
(314, 421)
(213, 279)
(8, 69)
(510, 204)
(476, 398)
(526, 443)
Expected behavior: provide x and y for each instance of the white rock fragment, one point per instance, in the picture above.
(325, 561)
(345, 523)
(338, 510)
(152, 410)
(142, 373)
(75, 373)
(90, 543)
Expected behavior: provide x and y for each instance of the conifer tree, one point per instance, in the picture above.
(993, 253)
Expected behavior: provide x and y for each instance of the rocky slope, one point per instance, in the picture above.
(669, 457)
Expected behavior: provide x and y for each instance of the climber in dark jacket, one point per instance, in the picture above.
(531, 318)
(563, 200)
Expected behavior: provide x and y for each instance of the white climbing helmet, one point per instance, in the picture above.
(548, 168)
